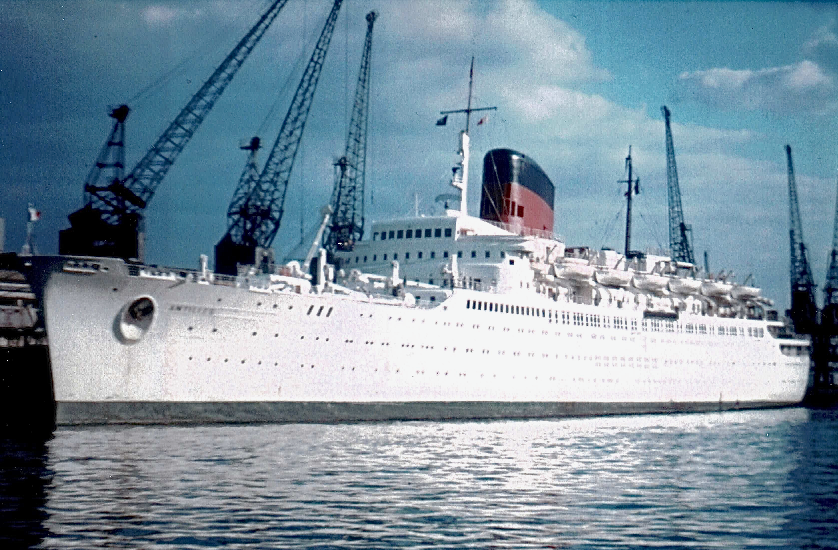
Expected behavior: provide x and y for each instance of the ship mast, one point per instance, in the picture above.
(629, 193)
(460, 170)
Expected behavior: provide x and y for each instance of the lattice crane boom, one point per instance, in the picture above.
(679, 242)
(347, 201)
(257, 207)
(109, 223)
(804, 310)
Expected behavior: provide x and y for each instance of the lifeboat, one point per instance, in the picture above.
(684, 285)
(741, 292)
(575, 269)
(650, 282)
(716, 289)
(613, 277)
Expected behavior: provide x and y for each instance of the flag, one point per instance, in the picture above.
(442, 121)
(483, 120)
(34, 215)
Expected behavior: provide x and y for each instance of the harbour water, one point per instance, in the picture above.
(753, 479)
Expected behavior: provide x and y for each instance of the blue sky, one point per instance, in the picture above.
(575, 84)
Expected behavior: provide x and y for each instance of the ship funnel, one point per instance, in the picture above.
(516, 191)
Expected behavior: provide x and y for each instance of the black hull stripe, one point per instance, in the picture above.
(74, 413)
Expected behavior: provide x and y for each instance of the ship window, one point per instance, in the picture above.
(329, 312)
(374, 257)
(375, 236)
(365, 259)
(473, 253)
(400, 234)
(385, 257)
(502, 254)
(437, 232)
(520, 211)
(468, 304)
(433, 254)
(459, 253)
(488, 254)
(396, 256)
(511, 208)
(392, 235)
(447, 231)
(383, 235)
(418, 233)
(419, 255)
(511, 261)
(319, 311)
(445, 254)
(427, 233)
(430, 281)
(479, 306)
(721, 330)
(357, 259)
(408, 234)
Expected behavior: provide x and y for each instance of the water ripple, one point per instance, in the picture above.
(766, 479)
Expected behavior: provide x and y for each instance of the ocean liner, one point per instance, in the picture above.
(435, 317)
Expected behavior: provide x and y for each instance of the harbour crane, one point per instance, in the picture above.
(256, 208)
(826, 356)
(347, 202)
(830, 288)
(679, 242)
(111, 221)
(804, 310)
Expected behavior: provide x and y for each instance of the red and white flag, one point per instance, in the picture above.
(483, 120)
(34, 215)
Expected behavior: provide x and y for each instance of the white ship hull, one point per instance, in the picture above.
(220, 352)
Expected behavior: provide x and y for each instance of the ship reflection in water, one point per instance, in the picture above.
(756, 478)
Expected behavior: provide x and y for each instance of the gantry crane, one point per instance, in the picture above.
(347, 202)
(257, 206)
(110, 223)
(804, 310)
(679, 242)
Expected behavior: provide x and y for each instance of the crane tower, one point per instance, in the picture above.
(110, 223)
(257, 206)
(804, 310)
(679, 242)
(347, 202)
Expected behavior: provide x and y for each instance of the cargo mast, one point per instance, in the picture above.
(633, 189)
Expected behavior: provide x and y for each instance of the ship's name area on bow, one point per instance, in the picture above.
(193, 309)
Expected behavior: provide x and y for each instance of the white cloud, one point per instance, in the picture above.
(823, 36)
(801, 87)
